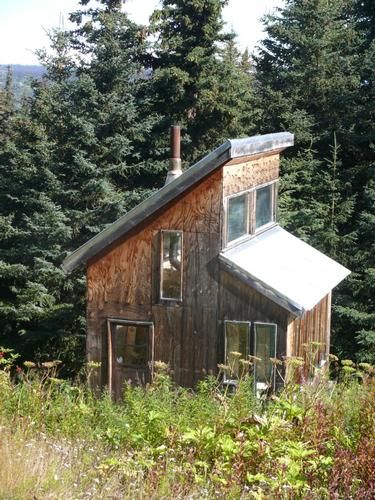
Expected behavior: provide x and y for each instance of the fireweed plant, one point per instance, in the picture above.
(312, 439)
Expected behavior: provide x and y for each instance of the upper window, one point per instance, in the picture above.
(264, 206)
(250, 212)
(171, 265)
(237, 217)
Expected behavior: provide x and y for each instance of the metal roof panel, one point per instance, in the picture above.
(285, 268)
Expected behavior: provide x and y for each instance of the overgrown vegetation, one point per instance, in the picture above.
(59, 440)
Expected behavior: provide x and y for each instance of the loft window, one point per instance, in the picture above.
(265, 336)
(250, 212)
(237, 217)
(171, 265)
(264, 205)
(237, 346)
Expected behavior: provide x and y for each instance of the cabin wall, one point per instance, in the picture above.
(240, 302)
(249, 173)
(124, 284)
(189, 335)
(313, 326)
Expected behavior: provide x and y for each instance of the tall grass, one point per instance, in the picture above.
(313, 440)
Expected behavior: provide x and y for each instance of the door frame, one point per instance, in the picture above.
(121, 321)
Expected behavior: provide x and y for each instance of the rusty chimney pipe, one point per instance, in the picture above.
(175, 167)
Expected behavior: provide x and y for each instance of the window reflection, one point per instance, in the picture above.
(265, 348)
(264, 212)
(171, 265)
(130, 344)
(237, 217)
(237, 345)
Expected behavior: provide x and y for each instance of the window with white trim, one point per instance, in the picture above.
(171, 265)
(244, 339)
(250, 212)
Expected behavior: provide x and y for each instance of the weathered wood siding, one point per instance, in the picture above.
(314, 326)
(240, 302)
(249, 173)
(124, 284)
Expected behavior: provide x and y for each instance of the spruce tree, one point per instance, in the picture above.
(78, 163)
(310, 82)
(198, 80)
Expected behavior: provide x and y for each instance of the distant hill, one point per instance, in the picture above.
(22, 74)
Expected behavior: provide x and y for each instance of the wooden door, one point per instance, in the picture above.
(130, 352)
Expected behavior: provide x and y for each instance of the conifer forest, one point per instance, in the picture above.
(92, 142)
(89, 142)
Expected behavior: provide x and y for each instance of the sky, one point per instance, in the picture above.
(24, 23)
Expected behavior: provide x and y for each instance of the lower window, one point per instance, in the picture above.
(237, 347)
(243, 339)
(264, 348)
(130, 344)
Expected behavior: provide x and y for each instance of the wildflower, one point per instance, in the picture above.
(254, 358)
(347, 362)
(332, 357)
(51, 364)
(19, 369)
(223, 367)
(1, 354)
(348, 369)
(93, 364)
(244, 362)
(276, 361)
(29, 364)
(235, 354)
(160, 366)
(366, 367)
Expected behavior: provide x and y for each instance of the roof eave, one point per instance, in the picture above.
(261, 287)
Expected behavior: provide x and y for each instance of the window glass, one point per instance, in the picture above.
(237, 217)
(264, 212)
(130, 344)
(237, 339)
(265, 348)
(171, 265)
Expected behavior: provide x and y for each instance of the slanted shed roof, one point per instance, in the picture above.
(285, 269)
(229, 150)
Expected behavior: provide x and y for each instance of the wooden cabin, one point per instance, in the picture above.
(202, 269)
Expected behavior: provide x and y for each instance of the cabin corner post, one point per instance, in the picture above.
(328, 325)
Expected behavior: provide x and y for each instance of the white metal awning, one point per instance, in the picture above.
(285, 269)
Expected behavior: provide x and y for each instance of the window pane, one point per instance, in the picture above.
(237, 345)
(263, 206)
(171, 271)
(265, 348)
(236, 217)
(130, 344)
